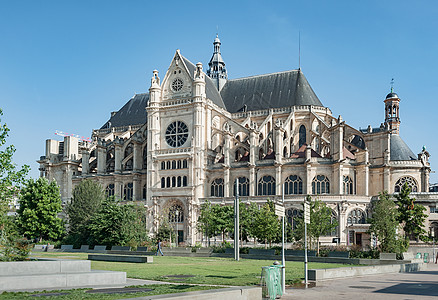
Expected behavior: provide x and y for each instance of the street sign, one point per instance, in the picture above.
(279, 210)
(306, 212)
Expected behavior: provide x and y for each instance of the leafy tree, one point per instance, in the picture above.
(223, 219)
(117, 224)
(165, 231)
(321, 222)
(206, 220)
(88, 197)
(40, 203)
(247, 220)
(10, 179)
(411, 215)
(384, 224)
(267, 224)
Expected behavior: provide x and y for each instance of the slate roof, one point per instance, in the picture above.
(132, 113)
(275, 90)
(399, 149)
(210, 88)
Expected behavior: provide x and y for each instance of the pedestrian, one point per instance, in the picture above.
(159, 248)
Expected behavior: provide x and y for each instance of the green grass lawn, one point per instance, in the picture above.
(157, 289)
(206, 270)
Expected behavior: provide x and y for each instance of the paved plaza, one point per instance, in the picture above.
(400, 286)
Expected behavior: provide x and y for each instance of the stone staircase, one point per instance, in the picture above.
(55, 274)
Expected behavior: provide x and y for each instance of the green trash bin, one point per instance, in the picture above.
(271, 282)
(426, 257)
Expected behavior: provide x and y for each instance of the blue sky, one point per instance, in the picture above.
(65, 65)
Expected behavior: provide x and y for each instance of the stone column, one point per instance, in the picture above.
(137, 157)
(117, 156)
(85, 161)
(101, 157)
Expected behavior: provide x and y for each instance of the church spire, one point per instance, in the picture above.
(392, 111)
(216, 67)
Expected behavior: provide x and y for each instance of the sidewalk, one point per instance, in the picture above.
(419, 285)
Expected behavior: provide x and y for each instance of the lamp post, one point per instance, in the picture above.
(432, 233)
(176, 227)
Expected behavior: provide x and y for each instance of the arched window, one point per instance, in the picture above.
(173, 164)
(178, 181)
(302, 136)
(127, 192)
(292, 215)
(185, 164)
(412, 183)
(168, 182)
(356, 216)
(144, 191)
(285, 152)
(163, 182)
(173, 181)
(348, 186)
(266, 186)
(168, 165)
(179, 164)
(163, 165)
(320, 185)
(217, 187)
(243, 186)
(176, 214)
(145, 157)
(293, 185)
(109, 190)
(334, 220)
(184, 180)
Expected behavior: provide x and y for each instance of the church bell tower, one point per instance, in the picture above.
(392, 112)
(216, 67)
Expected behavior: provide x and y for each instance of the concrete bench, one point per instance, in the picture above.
(142, 249)
(40, 248)
(100, 248)
(408, 256)
(121, 248)
(339, 254)
(262, 251)
(388, 256)
(121, 258)
(229, 250)
(66, 247)
(84, 248)
(300, 253)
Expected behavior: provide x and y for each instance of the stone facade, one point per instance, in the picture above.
(194, 134)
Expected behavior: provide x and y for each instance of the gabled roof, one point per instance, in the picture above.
(399, 149)
(210, 88)
(132, 113)
(275, 90)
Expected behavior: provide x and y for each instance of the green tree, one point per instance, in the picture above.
(321, 222)
(10, 179)
(223, 221)
(40, 203)
(410, 215)
(206, 224)
(88, 197)
(118, 224)
(267, 225)
(384, 223)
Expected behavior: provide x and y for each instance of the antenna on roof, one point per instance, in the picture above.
(299, 50)
(392, 85)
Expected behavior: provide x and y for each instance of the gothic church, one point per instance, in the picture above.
(196, 133)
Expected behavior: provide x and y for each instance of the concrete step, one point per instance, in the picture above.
(42, 267)
(61, 280)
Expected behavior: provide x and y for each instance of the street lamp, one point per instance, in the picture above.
(432, 233)
(176, 227)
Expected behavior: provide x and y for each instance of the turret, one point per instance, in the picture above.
(392, 112)
(216, 67)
